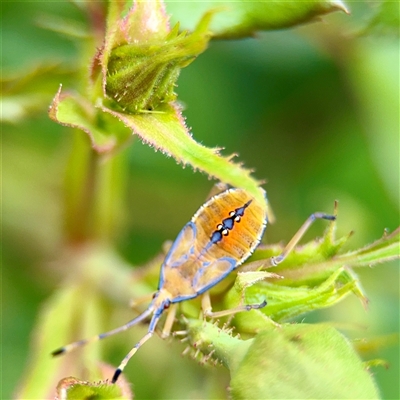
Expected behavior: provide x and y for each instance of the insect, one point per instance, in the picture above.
(222, 234)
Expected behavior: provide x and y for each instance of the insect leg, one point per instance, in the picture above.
(207, 310)
(138, 345)
(299, 234)
(134, 303)
(79, 343)
(169, 320)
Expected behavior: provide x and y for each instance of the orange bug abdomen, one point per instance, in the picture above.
(221, 235)
(245, 234)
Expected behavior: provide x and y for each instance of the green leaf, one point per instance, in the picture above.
(244, 18)
(302, 362)
(294, 361)
(217, 344)
(74, 111)
(312, 263)
(142, 67)
(285, 302)
(312, 277)
(383, 250)
(165, 130)
(143, 58)
(71, 389)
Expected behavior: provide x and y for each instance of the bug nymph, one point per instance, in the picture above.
(222, 234)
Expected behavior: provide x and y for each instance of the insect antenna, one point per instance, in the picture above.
(80, 343)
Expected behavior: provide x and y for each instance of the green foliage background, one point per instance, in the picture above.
(313, 110)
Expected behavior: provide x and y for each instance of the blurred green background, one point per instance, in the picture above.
(314, 110)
